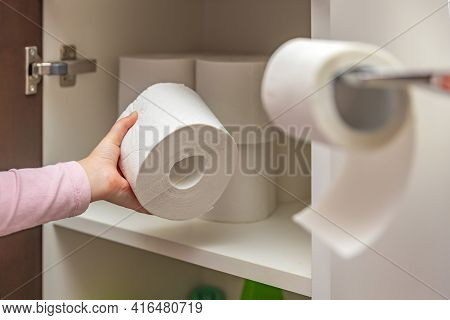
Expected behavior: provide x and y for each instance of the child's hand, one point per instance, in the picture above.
(107, 182)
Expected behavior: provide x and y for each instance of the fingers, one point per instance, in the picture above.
(121, 193)
(125, 197)
(142, 210)
(131, 202)
(120, 129)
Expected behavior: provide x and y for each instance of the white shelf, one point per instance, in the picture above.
(274, 251)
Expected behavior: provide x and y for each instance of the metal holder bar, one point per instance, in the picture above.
(379, 79)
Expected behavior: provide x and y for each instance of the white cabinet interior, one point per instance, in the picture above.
(76, 118)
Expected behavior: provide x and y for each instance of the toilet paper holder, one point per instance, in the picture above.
(365, 77)
(367, 98)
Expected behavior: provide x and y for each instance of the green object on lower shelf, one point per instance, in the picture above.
(207, 293)
(258, 291)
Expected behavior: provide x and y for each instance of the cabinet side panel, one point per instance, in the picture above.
(417, 241)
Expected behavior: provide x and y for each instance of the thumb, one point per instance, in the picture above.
(120, 129)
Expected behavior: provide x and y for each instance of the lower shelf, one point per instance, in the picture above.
(275, 251)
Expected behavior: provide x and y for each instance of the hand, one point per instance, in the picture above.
(106, 180)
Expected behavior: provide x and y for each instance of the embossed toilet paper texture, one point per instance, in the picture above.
(176, 127)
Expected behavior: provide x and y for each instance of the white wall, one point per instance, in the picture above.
(418, 239)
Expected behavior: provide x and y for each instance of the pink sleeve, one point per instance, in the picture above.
(30, 197)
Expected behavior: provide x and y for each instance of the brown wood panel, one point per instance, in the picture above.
(20, 142)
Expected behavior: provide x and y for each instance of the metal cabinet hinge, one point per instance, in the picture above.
(67, 69)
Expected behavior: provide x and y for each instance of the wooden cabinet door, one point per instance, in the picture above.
(20, 141)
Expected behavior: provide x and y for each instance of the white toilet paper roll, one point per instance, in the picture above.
(178, 158)
(138, 72)
(250, 196)
(231, 86)
(298, 89)
(294, 180)
(365, 196)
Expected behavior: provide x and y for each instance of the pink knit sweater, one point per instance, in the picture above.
(30, 197)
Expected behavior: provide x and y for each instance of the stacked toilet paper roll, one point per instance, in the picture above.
(251, 194)
(138, 72)
(231, 86)
(178, 158)
(294, 178)
(372, 127)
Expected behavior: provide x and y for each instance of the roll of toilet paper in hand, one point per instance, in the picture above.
(178, 158)
(231, 87)
(299, 90)
(140, 71)
(374, 130)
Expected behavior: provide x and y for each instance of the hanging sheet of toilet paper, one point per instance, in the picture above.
(138, 72)
(178, 158)
(299, 91)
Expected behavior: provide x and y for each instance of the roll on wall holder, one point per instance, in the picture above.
(361, 92)
(67, 69)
